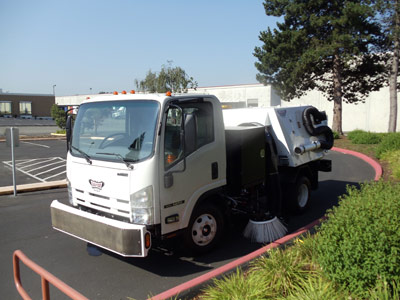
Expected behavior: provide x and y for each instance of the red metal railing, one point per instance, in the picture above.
(46, 278)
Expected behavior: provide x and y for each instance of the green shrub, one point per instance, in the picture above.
(58, 115)
(360, 239)
(336, 135)
(393, 158)
(364, 137)
(391, 141)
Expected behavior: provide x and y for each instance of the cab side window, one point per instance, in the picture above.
(199, 127)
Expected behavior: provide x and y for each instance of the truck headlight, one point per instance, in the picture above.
(142, 206)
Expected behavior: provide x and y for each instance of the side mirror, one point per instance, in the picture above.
(68, 129)
(68, 126)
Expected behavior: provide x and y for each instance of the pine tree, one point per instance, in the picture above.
(327, 45)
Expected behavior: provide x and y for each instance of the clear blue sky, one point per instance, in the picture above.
(106, 45)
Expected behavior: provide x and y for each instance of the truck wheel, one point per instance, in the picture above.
(205, 229)
(301, 194)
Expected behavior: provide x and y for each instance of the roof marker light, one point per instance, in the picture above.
(123, 92)
(115, 93)
(168, 93)
(133, 92)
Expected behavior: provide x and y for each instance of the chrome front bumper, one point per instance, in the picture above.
(120, 237)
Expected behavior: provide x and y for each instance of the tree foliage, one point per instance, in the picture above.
(174, 79)
(322, 45)
(58, 115)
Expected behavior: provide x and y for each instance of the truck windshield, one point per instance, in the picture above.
(125, 129)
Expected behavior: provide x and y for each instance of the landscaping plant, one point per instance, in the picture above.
(237, 287)
(360, 241)
(364, 137)
(390, 142)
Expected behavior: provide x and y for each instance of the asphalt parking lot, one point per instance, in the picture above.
(36, 161)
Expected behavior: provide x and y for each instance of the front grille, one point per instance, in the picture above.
(99, 196)
(103, 205)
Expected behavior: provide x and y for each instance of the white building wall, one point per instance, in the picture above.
(373, 115)
(72, 100)
(242, 93)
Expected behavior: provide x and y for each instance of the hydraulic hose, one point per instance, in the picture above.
(309, 124)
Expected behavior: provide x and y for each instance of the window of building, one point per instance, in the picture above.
(25, 108)
(252, 102)
(5, 108)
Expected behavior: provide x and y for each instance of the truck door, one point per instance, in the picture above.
(186, 170)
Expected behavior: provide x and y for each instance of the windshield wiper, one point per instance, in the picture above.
(85, 155)
(126, 162)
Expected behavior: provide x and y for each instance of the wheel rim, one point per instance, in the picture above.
(204, 229)
(302, 197)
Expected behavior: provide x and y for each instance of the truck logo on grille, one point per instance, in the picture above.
(96, 185)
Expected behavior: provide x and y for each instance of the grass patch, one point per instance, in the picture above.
(237, 287)
(316, 289)
(283, 270)
(365, 137)
(393, 159)
(61, 131)
(336, 135)
(390, 142)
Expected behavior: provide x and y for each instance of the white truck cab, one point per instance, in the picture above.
(128, 165)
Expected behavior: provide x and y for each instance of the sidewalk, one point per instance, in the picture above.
(33, 187)
(29, 127)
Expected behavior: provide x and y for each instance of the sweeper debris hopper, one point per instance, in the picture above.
(273, 150)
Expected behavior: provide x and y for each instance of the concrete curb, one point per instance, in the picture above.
(194, 284)
(33, 187)
(44, 138)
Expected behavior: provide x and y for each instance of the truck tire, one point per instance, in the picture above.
(300, 194)
(205, 229)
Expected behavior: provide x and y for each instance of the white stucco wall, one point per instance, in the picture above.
(242, 93)
(72, 100)
(373, 115)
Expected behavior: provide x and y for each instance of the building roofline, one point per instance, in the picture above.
(230, 85)
(25, 94)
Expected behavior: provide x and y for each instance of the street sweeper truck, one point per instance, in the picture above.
(145, 168)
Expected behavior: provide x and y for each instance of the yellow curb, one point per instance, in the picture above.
(58, 134)
(32, 187)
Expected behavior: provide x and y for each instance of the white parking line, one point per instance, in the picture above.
(40, 145)
(47, 171)
(39, 161)
(26, 161)
(55, 175)
(44, 164)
